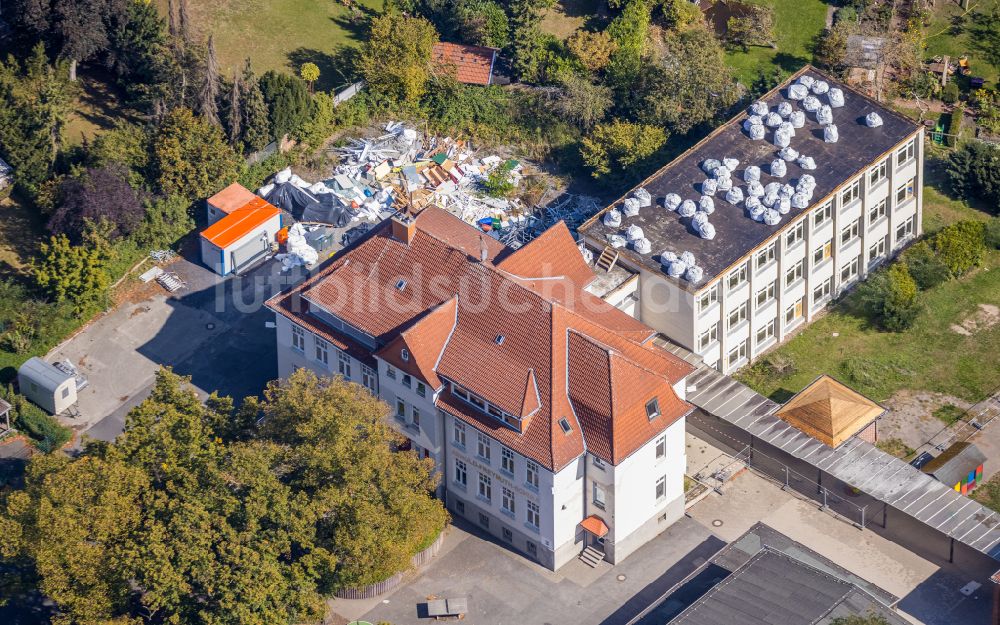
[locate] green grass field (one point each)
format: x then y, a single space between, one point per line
283 34
796 24
928 356
952 31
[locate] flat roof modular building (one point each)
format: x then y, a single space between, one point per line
47 385
241 238
739 242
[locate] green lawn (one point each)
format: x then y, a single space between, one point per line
952 32
283 34
929 356
796 25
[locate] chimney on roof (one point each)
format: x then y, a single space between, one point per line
403 227
484 252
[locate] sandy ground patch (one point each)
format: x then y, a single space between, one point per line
985 317
910 416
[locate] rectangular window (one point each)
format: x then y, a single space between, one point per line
507 460
767 332
508 535
533 519
906 152
904 229
738 316
796 233
878 173
822 214
508 500
460 506
652 408
598 463
766 294
407 381
460 392
877 251
822 291
765 256
390 372
461 472
793 312
737 353
401 409
708 298
344 364
795 272
368 378
531 474
661 447
458 434
298 338
484 520
822 253
322 351
850 270
904 192
483 446
708 337
415 416
851 193
661 487
599 495
421 389
850 232
737 277
878 211
485 487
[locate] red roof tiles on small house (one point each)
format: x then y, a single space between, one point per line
553 253
472 65
540 360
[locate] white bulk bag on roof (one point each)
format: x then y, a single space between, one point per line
769 199
798 92
772 217
753 120
758 108
786 190
616 240
752 202
806 181
283 176
797 119
709 186
778 168
667 257
721 172
783 205
788 153
773 120
630 208
612 218
820 87
757 132
634 233
824 115
731 164
806 80
807 163
709 165
734 196
756 212
588 256
811 103
830 133
800 200
642 246
782 138
725 184
873 120
694 273
687 258
755 189
836 97
773 187
700 218
687 208
785 109
645 199
671 201
751 173
676 268
787 127
706 205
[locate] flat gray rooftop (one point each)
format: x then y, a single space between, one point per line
736 232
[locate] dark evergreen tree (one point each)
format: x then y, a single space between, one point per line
255 129
208 95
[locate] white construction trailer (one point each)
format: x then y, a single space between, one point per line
46 385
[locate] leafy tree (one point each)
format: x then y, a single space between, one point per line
288 102
961 246
255 125
926 267
890 296
165 221
582 102
335 437
527 47
191 158
992 233
484 23
592 49
396 59
629 31
950 93
97 196
753 26
74 273
79 29
987 101
498 183
619 145
321 125
126 146
689 82
974 171
680 13
309 72
138 52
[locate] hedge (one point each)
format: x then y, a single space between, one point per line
955 125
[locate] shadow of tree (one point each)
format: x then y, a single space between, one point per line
337 69
789 62
984 37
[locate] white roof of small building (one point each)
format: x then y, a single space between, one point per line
43 374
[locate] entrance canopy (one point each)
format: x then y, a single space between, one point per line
595 526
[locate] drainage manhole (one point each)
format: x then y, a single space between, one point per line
717 523
209 326
621 578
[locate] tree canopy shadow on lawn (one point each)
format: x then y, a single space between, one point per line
337 69
356 22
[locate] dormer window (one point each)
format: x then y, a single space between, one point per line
653 408
564 424
401 285
404 354
499 339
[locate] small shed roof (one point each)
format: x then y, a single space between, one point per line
829 411
472 65
233 197
43 374
954 463
240 223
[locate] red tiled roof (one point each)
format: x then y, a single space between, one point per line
232 197
469 64
595 525
551 254
383 286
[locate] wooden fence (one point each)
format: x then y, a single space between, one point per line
380 588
